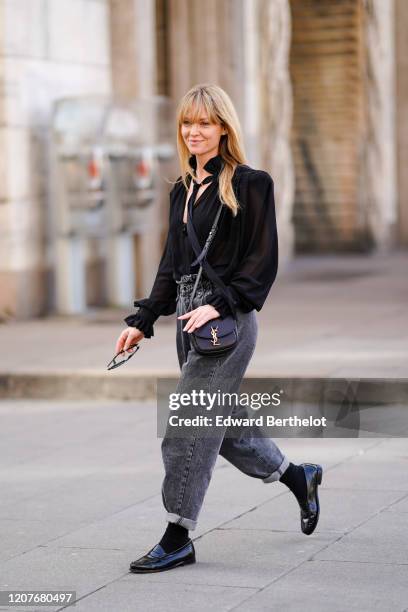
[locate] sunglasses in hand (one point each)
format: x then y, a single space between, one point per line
122 358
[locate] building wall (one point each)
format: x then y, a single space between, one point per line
327 67
401 122
48 50
344 143
135 73
55 48
274 112
378 176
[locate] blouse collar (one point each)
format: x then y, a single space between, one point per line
213 166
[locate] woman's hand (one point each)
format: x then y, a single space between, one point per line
129 336
199 316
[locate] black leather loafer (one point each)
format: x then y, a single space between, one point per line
157 560
310 509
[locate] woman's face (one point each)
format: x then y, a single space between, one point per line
201 136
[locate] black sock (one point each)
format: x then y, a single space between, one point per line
294 478
174 537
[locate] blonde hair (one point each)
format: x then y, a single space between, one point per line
220 109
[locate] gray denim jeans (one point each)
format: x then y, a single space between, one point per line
189 460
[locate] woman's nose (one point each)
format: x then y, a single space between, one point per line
195 128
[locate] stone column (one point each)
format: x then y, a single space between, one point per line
401 55
181 61
379 178
133 48
206 46
273 111
134 75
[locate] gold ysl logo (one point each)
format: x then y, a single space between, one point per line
214 336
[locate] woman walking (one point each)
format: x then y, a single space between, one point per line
237 274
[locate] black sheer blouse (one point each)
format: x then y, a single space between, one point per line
244 251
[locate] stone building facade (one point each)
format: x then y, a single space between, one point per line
321 88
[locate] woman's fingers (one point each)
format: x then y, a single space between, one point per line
191 321
121 341
198 317
127 338
187 314
197 322
134 336
188 325
196 325
127 346
194 317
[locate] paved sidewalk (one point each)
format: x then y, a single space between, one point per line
80 499
334 316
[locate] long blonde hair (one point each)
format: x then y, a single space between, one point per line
220 109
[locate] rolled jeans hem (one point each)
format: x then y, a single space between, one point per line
189 524
277 473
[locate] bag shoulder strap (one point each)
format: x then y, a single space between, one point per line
239 180
200 256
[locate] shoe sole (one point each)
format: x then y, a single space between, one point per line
164 569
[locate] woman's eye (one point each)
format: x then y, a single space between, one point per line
202 123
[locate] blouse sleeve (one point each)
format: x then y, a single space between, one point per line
253 278
162 299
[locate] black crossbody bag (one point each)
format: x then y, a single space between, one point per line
218 335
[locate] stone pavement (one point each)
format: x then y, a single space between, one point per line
80 498
326 316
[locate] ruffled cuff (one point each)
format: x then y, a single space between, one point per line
143 319
216 300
